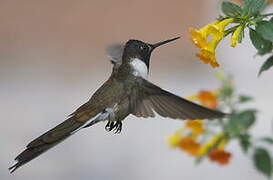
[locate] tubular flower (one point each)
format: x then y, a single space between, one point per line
208 46
208 99
196 126
220 156
212 142
235 36
199 37
189 145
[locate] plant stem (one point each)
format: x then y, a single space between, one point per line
265 15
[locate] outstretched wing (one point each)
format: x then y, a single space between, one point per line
148 98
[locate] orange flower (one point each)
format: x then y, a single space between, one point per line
220 156
208 99
196 126
189 145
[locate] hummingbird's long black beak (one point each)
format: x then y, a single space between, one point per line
163 42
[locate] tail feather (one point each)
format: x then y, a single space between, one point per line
29 154
47 141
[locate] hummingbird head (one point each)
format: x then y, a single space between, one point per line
135 49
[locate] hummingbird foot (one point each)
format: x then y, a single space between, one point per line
118 127
112 125
109 126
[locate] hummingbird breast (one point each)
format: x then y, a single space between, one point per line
139 68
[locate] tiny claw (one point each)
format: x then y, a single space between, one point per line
116 126
109 126
106 126
119 127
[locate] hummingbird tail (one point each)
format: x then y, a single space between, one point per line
29 154
48 140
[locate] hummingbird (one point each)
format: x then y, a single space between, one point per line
127 91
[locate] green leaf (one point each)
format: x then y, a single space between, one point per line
244 99
247 118
267 65
253 7
245 142
265 30
263 46
242 121
268 140
231 9
263 161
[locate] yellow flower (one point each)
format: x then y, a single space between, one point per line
201 38
222 144
235 36
206 147
192 98
223 24
196 126
175 138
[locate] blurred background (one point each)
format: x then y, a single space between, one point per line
52 59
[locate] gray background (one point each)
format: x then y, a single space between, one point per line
52 59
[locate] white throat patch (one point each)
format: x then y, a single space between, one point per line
140 68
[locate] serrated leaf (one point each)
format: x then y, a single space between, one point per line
245 142
253 7
231 9
267 65
244 99
265 30
268 140
263 46
263 161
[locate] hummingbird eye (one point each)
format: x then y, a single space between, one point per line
143 48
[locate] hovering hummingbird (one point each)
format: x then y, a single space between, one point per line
127 91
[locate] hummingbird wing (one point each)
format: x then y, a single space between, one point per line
148 98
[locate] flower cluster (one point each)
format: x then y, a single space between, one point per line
209 139
191 138
235 20
208 37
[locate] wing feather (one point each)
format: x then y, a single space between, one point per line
148 98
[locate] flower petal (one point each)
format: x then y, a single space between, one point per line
220 156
